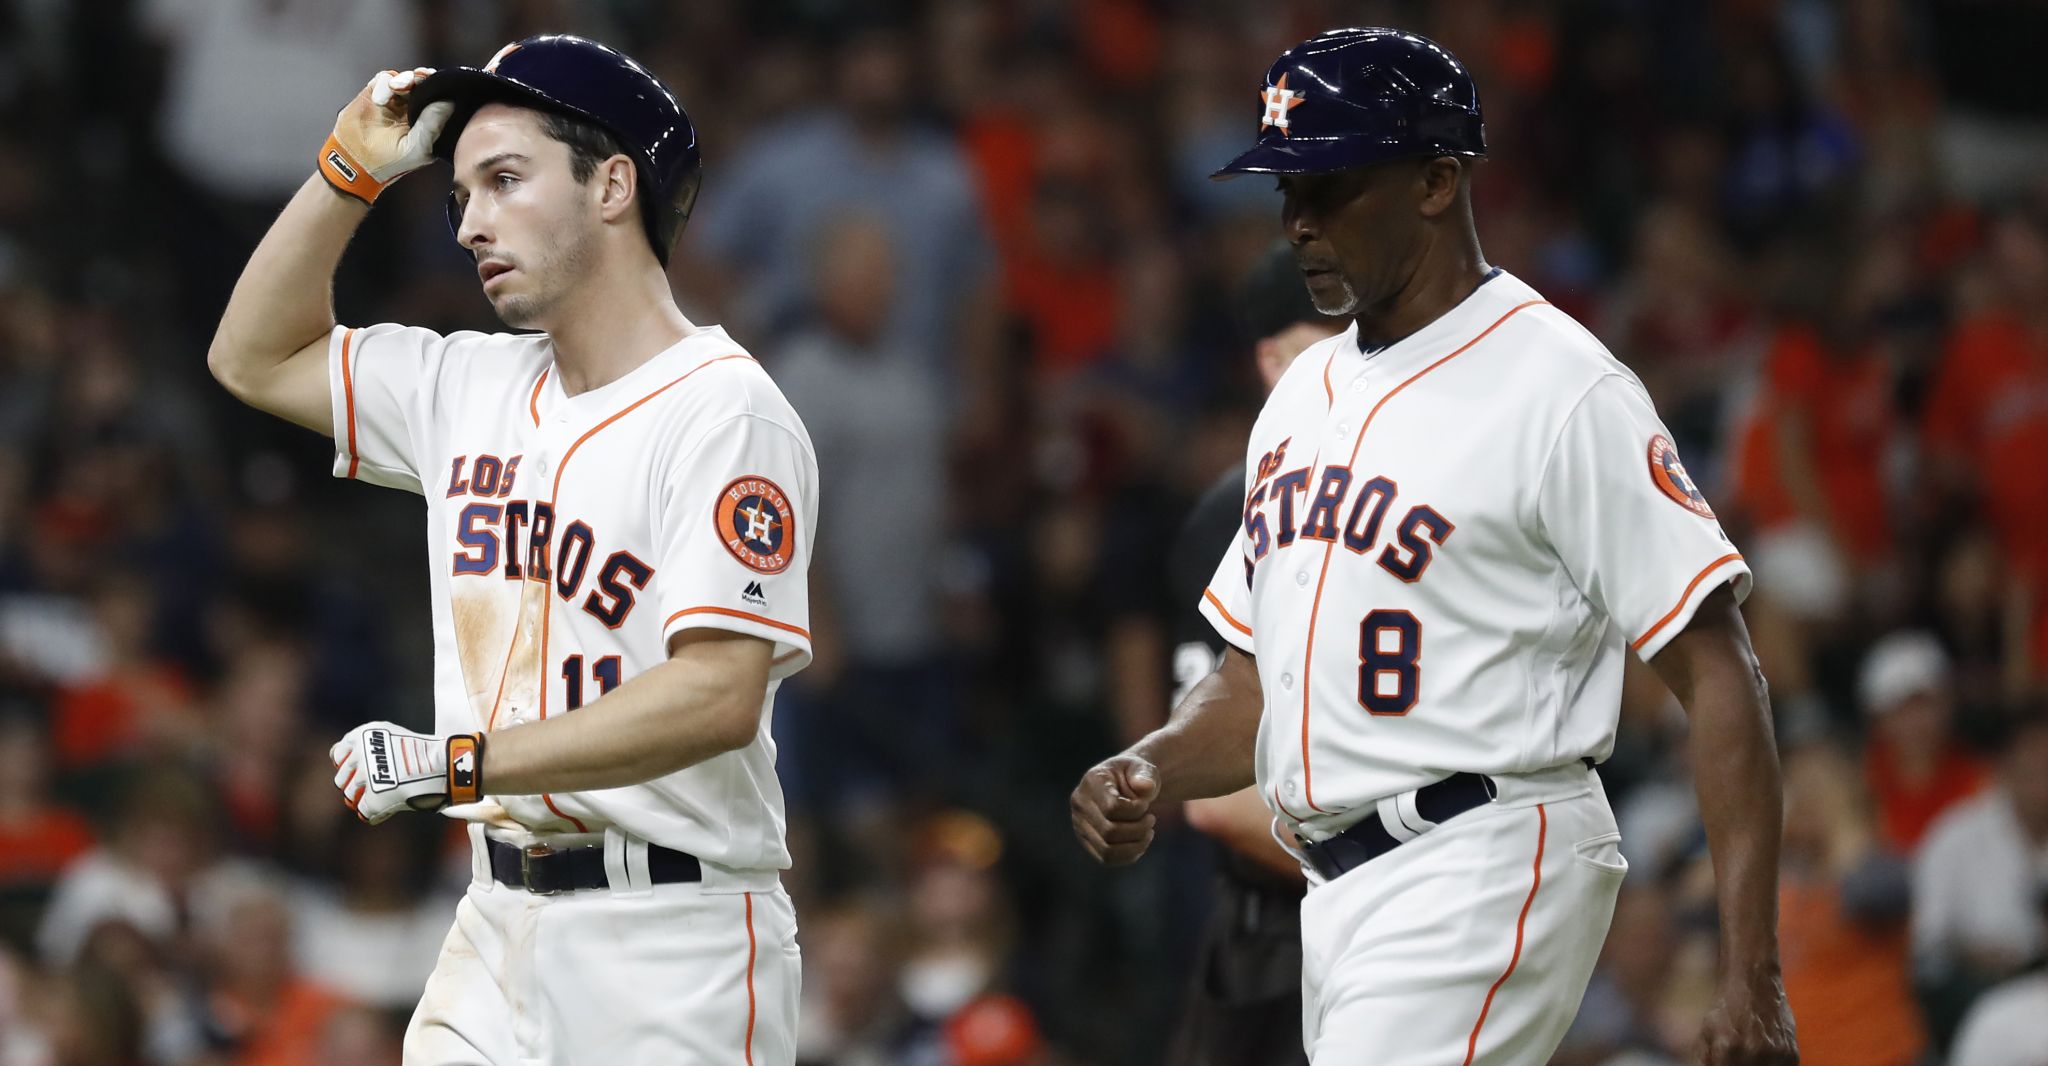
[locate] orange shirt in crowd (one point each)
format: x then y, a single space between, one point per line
102 719
1846 403
291 1034
1989 410
35 849
1904 811
1846 982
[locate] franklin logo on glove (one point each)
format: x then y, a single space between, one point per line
381 774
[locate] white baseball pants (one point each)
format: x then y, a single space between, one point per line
1471 944
678 973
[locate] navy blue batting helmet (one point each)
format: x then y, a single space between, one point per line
583 79
1352 98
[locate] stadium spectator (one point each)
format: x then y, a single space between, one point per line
1912 762
872 721
1842 907
1977 884
869 152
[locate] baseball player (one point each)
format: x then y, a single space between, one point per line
620 515
1459 516
1246 990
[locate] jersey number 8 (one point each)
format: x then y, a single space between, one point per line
1389 673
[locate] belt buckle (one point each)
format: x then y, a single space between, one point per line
526 856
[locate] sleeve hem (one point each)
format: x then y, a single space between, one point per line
792 642
1233 632
1674 621
341 387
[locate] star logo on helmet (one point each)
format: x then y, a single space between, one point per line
492 66
1279 100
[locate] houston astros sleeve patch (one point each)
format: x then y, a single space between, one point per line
1671 479
756 524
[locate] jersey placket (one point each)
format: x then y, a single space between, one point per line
1348 380
547 436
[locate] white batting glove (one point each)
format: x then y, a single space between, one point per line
373 144
382 769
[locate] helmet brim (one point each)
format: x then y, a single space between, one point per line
1326 155
1284 156
469 89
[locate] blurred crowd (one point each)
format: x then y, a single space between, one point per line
975 242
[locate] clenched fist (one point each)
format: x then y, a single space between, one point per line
373 143
1112 809
1749 1025
382 769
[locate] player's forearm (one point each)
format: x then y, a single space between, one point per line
673 716
284 298
1206 748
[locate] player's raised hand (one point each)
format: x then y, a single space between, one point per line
1112 809
382 769
374 143
1750 1025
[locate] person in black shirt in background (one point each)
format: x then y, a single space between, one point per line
1244 1004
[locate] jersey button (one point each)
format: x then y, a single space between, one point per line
1293 790
1286 680
1358 383
1299 579
1344 429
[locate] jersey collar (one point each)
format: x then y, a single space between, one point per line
1496 292
693 351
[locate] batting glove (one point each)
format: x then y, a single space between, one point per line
382 769
373 144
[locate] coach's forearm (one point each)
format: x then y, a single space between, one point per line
1714 673
284 298
1206 748
702 703
1735 769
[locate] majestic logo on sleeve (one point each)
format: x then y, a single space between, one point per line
757 525
1279 100
1672 480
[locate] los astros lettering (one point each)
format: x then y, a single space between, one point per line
490 533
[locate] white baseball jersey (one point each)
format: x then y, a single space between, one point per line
1448 546
570 536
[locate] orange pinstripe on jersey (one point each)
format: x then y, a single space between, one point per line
562 814
1308 655
554 494
1684 598
533 406
798 630
1329 394
348 388
555 491
1220 609
1535 882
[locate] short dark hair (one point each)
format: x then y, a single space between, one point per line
590 144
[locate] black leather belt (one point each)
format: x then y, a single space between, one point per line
545 870
1368 840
